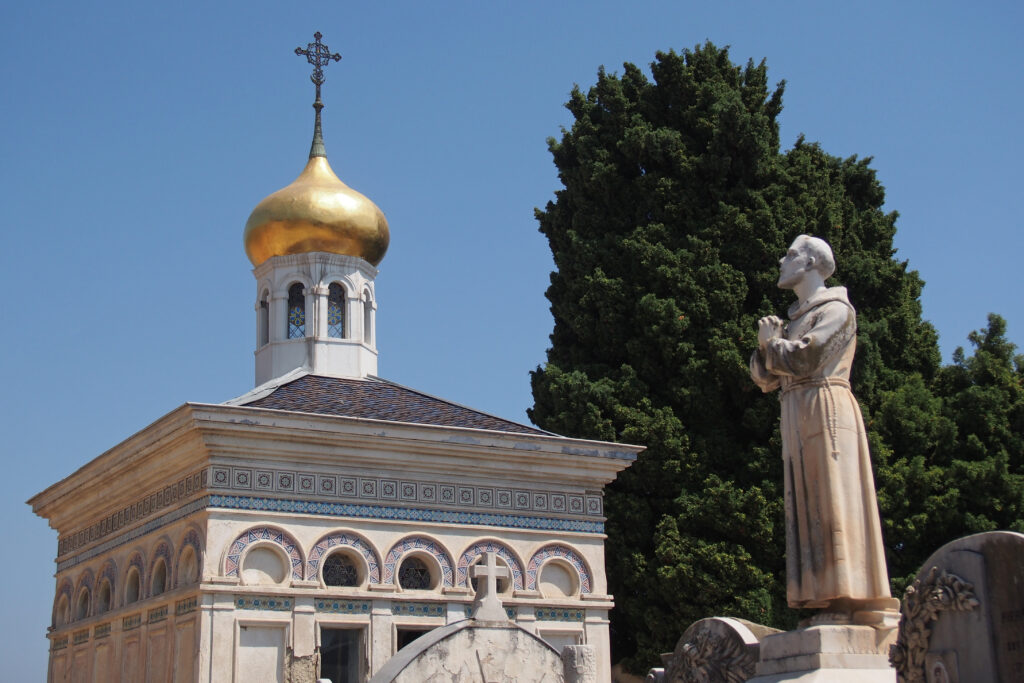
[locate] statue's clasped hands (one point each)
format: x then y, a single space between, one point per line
768 328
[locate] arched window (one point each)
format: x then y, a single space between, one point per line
367 318
340 570
61 616
132 586
415 575
103 597
264 319
159 582
296 312
188 567
336 311
82 609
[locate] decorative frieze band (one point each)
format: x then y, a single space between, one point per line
320 488
325 485
147 506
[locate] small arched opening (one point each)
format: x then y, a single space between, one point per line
296 311
263 319
336 311
417 573
132 586
367 319
159 581
82 606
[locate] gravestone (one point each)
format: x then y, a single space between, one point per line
713 650
963 618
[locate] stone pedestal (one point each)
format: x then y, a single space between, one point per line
833 654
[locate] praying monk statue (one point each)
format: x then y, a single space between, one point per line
834 556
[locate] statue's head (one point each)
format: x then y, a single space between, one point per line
806 254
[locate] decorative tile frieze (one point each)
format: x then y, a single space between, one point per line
127 537
157 614
343 606
406 514
264 602
418 609
185 606
101 631
264 480
558 614
79 637
510 612
147 506
60 643
131 622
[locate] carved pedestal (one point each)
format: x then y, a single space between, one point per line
834 653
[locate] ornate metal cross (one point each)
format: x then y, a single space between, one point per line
317 54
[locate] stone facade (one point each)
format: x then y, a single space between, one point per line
195 549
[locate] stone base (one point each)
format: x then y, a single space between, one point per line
833 653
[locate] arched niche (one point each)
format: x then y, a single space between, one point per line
568 558
424 546
290 547
350 542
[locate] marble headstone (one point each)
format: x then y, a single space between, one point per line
963 618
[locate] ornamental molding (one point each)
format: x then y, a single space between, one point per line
923 603
331 486
146 507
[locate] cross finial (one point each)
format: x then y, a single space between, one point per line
487 606
317 54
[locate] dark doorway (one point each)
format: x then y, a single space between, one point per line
341 654
407 635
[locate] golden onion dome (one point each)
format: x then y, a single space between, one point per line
317 212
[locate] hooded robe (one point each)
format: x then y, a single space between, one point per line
833 534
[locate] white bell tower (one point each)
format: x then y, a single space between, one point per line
315 246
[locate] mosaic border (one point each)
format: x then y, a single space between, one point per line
558 614
418 609
405 514
343 606
132 534
185 606
265 602
241 480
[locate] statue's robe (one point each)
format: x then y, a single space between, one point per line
833 534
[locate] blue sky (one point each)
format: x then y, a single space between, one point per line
137 137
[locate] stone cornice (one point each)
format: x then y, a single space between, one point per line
323 439
198 435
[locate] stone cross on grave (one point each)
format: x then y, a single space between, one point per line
487 606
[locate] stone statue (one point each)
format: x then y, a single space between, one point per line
834 555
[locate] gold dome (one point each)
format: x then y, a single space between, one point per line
317 212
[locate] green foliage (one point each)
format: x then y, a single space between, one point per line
675 207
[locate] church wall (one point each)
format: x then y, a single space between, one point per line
151 638
381 608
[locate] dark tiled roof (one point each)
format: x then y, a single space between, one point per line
379 400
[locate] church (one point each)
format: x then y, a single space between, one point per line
315 525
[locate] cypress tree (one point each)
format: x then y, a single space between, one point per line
675 208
